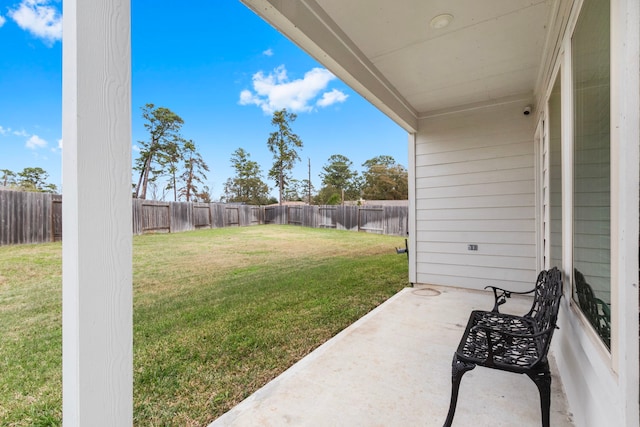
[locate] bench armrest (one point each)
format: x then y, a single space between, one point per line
500 296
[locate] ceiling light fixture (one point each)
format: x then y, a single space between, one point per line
441 21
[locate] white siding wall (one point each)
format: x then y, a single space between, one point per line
475 184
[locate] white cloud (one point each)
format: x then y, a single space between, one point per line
135 148
58 147
39 18
35 142
21 133
3 131
330 98
274 91
2 20
268 52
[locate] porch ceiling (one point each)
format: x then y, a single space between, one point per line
387 50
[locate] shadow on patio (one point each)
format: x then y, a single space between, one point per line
393 368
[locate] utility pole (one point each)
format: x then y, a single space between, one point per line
309 199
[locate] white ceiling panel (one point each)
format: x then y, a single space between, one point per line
491 49
388 51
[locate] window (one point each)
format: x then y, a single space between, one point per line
590 51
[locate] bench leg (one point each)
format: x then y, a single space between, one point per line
458 369
542 379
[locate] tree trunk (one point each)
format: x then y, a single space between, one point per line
145 179
188 184
281 185
140 179
175 190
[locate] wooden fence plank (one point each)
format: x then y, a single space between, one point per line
231 216
326 217
371 220
25 217
201 216
56 218
217 213
156 217
256 215
181 217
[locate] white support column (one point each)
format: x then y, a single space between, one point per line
412 246
97 313
625 176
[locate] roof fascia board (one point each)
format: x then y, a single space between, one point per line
306 24
559 20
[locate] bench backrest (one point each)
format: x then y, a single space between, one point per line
546 304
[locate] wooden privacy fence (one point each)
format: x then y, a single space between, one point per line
30 217
37 217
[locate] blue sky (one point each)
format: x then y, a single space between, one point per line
214 63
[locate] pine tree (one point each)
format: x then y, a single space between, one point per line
283 143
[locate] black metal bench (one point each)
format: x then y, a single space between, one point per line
510 343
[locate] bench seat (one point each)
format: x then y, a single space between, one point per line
515 346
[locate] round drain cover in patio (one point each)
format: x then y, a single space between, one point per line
426 292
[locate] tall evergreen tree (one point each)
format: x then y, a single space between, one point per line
307 191
35 179
8 178
283 143
194 172
164 127
247 185
295 190
169 159
338 178
204 195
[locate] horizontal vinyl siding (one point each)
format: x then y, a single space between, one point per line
493 202
506 212
475 154
475 190
496 249
475 184
476 237
486 225
467 178
483 165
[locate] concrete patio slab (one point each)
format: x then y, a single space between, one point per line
393 368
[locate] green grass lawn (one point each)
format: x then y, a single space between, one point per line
217 314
